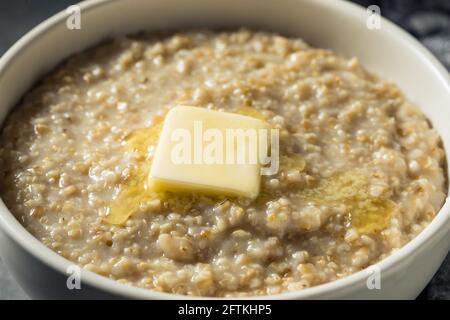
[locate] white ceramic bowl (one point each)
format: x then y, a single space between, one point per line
340 26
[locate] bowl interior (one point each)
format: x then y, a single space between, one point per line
336 25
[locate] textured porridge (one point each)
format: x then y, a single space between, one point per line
361 170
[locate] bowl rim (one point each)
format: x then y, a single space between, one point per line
12 227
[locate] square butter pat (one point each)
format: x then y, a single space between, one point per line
210 152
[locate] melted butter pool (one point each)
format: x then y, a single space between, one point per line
133 192
366 213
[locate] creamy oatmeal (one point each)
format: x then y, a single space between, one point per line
361 169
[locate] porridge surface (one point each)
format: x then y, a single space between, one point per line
361 170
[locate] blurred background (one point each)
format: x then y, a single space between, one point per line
427 20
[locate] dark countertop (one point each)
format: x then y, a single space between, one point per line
428 20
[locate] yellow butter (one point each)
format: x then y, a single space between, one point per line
210 152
